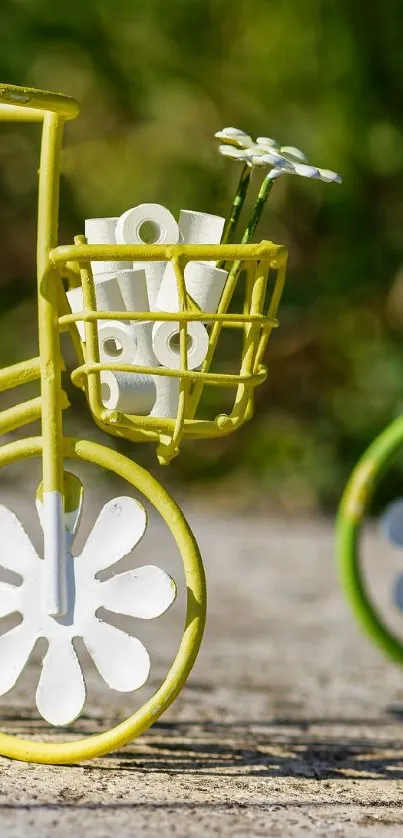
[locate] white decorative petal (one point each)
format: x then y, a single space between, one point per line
268 160
276 172
120 526
15 648
276 159
246 141
260 160
234 137
265 151
234 153
257 151
121 660
295 153
10 599
268 141
261 156
329 177
306 171
16 551
61 693
229 132
146 592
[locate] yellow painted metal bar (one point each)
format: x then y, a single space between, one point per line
151 429
252 333
18 374
215 379
157 252
49 342
168 448
236 321
271 314
15 113
25 412
29 99
68 326
91 335
226 298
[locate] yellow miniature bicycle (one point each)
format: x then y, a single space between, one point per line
60 593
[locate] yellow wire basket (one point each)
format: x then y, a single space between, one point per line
249 303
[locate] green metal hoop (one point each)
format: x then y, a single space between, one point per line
353 509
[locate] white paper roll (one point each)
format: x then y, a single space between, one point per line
145 355
102 231
107 294
154 274
117 342
133 289
75 298
204 283
200 227
166 404
147 224
129 392
134 292
167 348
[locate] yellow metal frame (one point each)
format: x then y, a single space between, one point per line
252 265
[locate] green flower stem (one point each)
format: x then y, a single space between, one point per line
262 197
230 285
237 205
253 222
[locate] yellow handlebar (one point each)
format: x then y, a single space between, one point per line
25 104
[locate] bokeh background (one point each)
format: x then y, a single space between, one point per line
155 81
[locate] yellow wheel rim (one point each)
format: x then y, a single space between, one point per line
98 744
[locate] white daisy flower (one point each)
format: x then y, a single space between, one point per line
267 152
122 660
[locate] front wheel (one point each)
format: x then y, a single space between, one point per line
354 510
118 589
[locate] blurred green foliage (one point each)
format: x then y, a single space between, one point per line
156 80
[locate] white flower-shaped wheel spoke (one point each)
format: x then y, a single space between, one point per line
9 599
119 527
122 660
61 700
17 552
15 648
145 593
